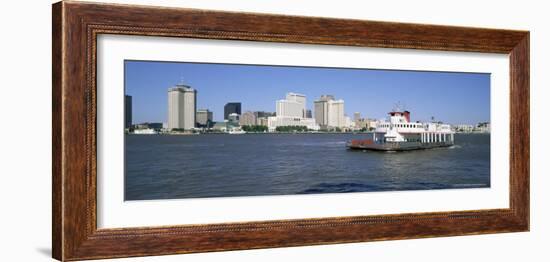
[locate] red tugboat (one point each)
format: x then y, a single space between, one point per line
398 133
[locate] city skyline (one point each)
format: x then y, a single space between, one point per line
457 98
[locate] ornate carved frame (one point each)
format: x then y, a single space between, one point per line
76 26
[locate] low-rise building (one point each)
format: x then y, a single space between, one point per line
463 128
220 126
276 121
484 127
147 125
204 118
247 119
233 118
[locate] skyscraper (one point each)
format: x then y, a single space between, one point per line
293 106
182 107
127 111
336 116
321 110
329 113
231 108
291 111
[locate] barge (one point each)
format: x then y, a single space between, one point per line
398 133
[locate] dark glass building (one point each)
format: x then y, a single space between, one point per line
127 111
230 108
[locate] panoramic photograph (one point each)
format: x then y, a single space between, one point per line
202 130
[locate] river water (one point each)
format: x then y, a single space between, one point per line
220 165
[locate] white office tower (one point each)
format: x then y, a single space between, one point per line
182 107
294 106
291 112
336 113
329 113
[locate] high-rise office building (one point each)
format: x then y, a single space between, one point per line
336 113
231 108
321 110
204 118
127 111
182 107
291 111
293 106
329 113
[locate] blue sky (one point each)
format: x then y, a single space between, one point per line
456 98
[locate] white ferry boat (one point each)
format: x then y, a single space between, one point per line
398 133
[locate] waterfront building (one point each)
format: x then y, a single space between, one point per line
204 118
329 112
373 123
233 118
308 113
231 108
348 123
463 128
261 117
262 121
220 126
275 121
361 123
294 106
336 114
182 107
356 116
291 111
147 125
484 127
148 131
127 111
259 114
248 118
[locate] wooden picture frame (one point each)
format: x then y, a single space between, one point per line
76 26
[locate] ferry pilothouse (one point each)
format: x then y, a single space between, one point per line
398 133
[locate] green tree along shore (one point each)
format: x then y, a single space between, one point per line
254 128
291 129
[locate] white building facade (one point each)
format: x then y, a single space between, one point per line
182 107
336 114
329 112
291 112
294 105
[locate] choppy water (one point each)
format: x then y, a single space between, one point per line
171 167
